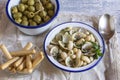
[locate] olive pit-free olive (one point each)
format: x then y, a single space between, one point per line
26 6
18 20
14 9
24 1
17 15
26 13
31 15
25 23
21 7
24 18
37 19
36 0
46 18
33 23
31 8
50 13
38 6
31 2
45 1
43 14
49 6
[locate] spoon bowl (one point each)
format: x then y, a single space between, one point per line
106 26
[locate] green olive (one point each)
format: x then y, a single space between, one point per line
24 18
33 23
18 20
25 23
26 6
17 15
43 13
46 18
21 7
30 20
36 0
50 13
45 1
38 6
14 9
31 15
24 1
31 8
26 13
31 2
49 6
37 19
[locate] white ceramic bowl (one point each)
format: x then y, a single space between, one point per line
35 30
57 29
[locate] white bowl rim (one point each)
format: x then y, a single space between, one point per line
102 40
38 26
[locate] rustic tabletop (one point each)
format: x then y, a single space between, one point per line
94 7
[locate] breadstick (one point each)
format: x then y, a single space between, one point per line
26 71
28 46
13 70
28 62
9 68
8 63
18 62
21 66
23 53
5 51
38 58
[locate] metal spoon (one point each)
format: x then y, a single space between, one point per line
107 29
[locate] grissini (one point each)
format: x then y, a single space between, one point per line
9 68
28 62
23 52
5 51
38 58
13 70
18 62
28 46
21 66
26 71
8 63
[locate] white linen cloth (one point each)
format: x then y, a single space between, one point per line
9 35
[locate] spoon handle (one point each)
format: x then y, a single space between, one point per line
109 54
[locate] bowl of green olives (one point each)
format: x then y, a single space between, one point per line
32 17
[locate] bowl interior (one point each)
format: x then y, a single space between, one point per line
57 29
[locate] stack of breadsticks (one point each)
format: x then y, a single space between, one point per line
22 61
